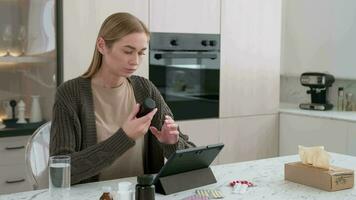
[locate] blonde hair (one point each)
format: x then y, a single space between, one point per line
115 27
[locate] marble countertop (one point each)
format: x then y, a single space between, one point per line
330 114
267 174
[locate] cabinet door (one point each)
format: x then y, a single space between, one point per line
311 131
81 23
12 150
13 179
250 57
12 166
201 132
351 139
249 138
185 16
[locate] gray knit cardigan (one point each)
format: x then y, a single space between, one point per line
73 131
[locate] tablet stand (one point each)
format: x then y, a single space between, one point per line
185 181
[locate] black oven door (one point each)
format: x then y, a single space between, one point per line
188 81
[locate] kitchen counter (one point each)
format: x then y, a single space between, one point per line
349 116
266 174
13 132
21 130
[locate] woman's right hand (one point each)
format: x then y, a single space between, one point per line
136 127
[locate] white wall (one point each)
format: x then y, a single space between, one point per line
319 35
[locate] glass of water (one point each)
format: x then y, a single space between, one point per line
59 173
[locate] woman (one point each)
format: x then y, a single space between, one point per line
94 116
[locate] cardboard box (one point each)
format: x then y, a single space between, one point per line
329 180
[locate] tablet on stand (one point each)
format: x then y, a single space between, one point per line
187 169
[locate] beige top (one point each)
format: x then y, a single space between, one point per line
112 107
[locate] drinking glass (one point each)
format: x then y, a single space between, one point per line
3 48
59 174
19 42
6 40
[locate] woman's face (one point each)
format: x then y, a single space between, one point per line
125 55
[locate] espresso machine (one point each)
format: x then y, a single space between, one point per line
319 84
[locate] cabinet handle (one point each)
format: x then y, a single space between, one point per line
15 181
159 56
13 148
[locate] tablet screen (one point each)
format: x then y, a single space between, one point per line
190 159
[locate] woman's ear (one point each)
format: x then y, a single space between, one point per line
100 45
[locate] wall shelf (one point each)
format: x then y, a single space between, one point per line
25 59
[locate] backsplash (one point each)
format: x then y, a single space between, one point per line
291 91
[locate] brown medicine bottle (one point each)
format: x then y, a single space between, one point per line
106 193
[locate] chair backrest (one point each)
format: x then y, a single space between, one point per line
37 156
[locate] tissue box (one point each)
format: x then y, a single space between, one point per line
329 180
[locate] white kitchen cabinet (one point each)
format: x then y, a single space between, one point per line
201 132
312 131
12 166
249 138
250 57
81 23
14 179
185 16
323 42
351 139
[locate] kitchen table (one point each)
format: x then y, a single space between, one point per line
266 174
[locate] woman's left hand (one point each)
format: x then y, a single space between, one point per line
169 133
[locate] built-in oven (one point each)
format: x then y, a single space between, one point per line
185 68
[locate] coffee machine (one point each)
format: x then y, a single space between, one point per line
318 84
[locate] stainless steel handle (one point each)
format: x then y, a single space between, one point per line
159 56
15 180
13 148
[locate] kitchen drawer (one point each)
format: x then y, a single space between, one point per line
12 150
13 179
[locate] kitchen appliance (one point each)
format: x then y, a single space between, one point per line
318 84
185 68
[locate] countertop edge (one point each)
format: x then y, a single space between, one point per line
347 116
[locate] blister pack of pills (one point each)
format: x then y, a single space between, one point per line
210 193
196 197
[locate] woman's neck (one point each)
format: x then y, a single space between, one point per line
107 80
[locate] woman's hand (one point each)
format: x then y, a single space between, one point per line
137 127
169 133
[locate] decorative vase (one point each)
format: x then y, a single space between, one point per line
36 115
21 107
